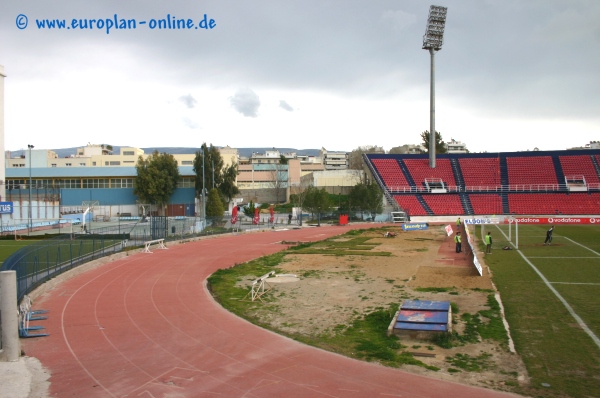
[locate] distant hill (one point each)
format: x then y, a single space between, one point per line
246 152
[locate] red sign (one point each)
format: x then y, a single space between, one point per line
449 230
234 215
552 220
343 219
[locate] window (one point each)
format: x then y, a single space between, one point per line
93 163
53 165
128 153
68 183
67 164
14 184
128 161
43 183
121 183
185 182
187 162
82 164
95 183
115 163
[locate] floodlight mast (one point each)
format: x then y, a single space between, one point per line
432 41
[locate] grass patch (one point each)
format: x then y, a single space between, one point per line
435 289
471 364
357 246
367 339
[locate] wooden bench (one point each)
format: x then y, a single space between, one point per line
147 244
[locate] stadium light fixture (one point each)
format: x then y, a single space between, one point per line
432 41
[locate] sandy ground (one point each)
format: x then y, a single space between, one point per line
333 290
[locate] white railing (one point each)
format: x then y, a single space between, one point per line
494 188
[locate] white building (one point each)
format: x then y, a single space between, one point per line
334 160
454 146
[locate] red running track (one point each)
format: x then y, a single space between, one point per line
146 326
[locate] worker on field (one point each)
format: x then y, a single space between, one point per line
488 243
458 241
458 222
549 236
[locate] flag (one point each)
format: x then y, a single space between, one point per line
256 216
272 218
234 216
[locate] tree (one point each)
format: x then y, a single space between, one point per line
316 200
215 174
209 159
250 209
367 197
157 178
279 180
214 204
227 188
440 147
355 160
405 149
283 159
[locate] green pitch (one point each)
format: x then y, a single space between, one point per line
551 296
8 247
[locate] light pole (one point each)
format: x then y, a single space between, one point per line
203 197
432 41
29 147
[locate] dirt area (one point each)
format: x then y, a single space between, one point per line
334 290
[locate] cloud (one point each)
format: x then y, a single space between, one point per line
246 102
190 123
188 101
398 20
286 106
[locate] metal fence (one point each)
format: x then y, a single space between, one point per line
46 258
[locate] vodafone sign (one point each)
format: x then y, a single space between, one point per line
552 220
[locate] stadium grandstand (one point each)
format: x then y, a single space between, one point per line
519 183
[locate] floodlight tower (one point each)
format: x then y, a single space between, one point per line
432 41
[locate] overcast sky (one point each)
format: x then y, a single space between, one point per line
512 74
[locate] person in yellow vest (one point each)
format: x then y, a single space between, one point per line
457 240
488 243
458 222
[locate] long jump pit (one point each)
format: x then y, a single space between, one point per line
333 290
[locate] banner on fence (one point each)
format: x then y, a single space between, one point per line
6 207
552 220
486 220
415 226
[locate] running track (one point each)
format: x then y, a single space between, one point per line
146 326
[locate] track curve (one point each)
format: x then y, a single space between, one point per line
146 326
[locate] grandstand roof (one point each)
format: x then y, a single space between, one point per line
82 172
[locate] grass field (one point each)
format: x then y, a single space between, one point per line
551 296
8 247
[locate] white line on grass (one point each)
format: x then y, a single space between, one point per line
563 257
567 306
585 247
574 283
